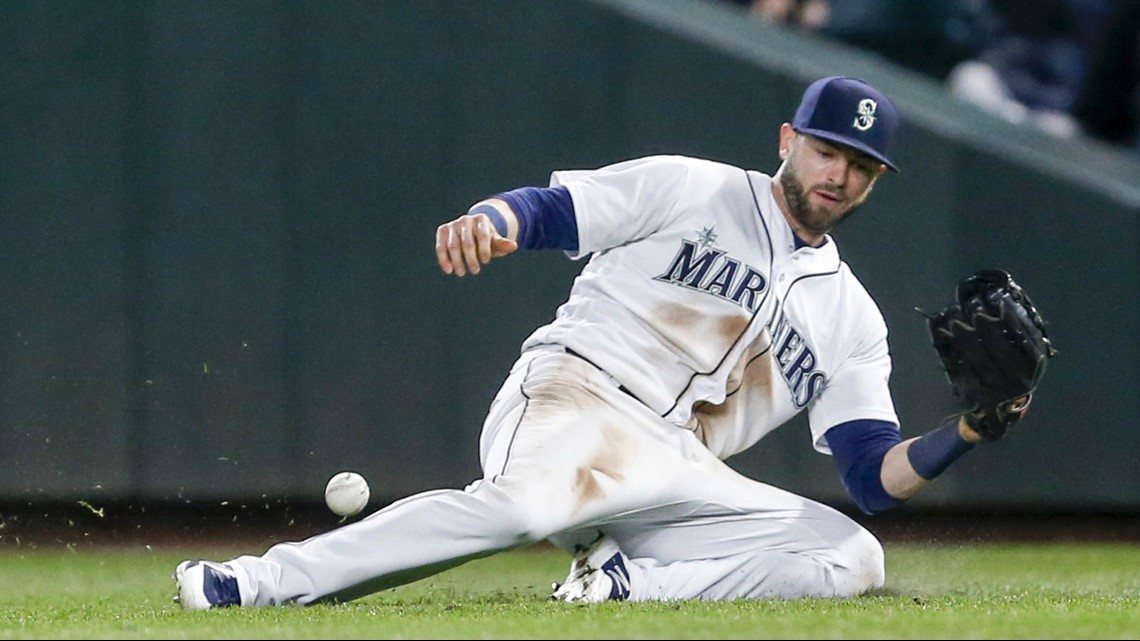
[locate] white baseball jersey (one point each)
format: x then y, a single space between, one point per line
696 299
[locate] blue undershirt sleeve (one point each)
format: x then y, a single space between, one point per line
546 217
858 448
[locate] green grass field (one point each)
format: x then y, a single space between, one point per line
975 591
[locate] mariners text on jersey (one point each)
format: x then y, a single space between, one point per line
796 361
713 271
730 279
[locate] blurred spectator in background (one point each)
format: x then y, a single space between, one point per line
929 36
807 14
1032 59
1108 105
1068 67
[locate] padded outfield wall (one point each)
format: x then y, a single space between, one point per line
217 272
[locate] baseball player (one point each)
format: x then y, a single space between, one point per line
713 306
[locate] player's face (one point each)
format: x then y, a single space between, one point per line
823 183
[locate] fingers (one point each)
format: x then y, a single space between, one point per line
454 248
442 253
483 232
463 245
502 246
1019 404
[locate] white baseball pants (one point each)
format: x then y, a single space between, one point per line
566 454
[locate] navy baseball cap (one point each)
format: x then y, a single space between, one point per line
849 112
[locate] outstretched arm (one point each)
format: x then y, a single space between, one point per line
488 230
523 218
880 471
994 348
911 464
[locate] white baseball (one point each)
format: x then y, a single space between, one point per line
347 493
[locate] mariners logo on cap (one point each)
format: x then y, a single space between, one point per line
848 111
866 117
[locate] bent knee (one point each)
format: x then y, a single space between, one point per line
862 567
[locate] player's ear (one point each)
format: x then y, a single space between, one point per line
787 137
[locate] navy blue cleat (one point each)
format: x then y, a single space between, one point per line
615 569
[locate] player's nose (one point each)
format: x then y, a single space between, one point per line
836 172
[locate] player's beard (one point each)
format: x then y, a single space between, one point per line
814 220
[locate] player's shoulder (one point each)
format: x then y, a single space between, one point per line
679 171
851 281
704 165
680 162
710 175
856 295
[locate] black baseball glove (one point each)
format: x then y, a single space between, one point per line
994 349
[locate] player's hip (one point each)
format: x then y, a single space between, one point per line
558 409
